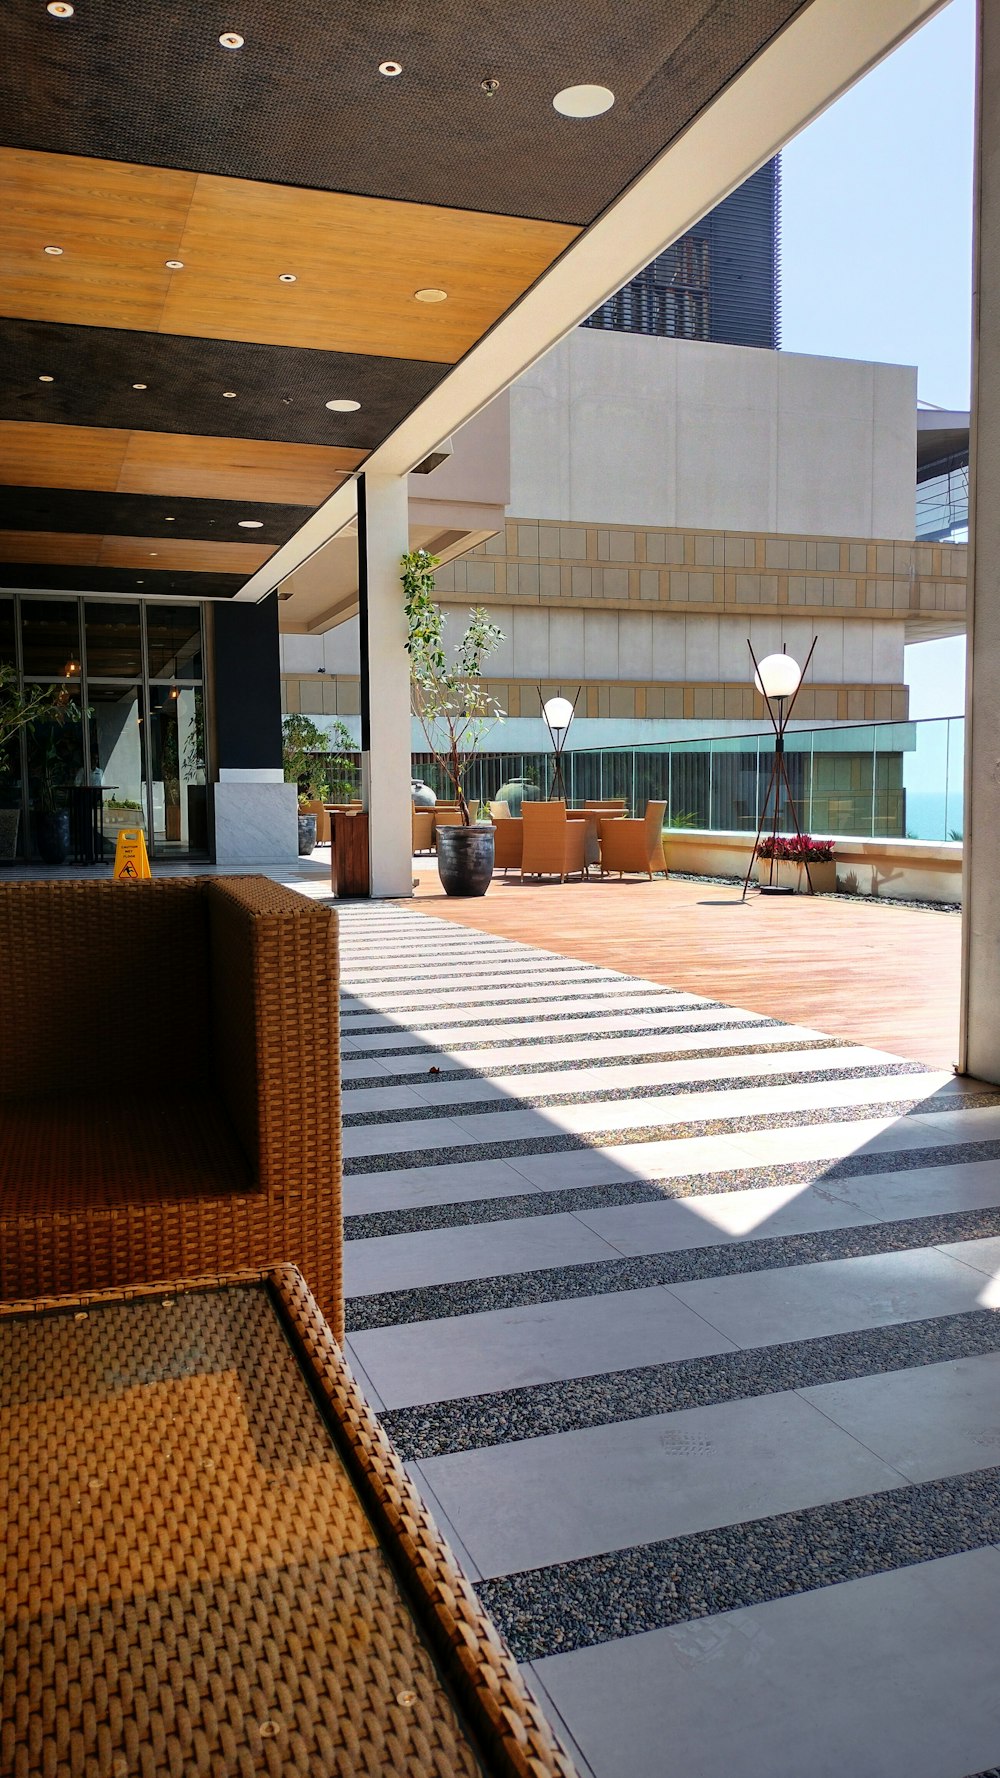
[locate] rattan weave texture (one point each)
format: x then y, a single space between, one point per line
195 1573
200 1139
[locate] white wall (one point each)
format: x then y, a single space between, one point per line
336 651
621 429
541 642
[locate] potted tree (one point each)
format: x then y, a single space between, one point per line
315 760
21 710
456 708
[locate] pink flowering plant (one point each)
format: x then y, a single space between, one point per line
796 849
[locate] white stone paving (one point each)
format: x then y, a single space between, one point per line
889 1676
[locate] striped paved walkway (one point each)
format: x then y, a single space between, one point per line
685 1321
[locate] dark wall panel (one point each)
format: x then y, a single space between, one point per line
247 678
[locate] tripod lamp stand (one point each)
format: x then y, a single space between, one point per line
778 679
558 714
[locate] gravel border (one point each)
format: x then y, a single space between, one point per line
437 1429
892 901
569 1605
518 1290
753 1023
693 1001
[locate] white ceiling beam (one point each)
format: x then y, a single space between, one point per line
823 51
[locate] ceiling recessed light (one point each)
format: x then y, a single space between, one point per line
390 69
250 524
287 278
140 385
60 9
140 583
584 101
154 552
229 394
174 265
431 295
46 379
343 407
55 251
231 40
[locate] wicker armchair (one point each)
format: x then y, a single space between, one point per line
553 846
634 845
169 1084
508 842
423 830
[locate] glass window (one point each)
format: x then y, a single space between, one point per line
8 652
55 756
173 635
50 638
114 649
177 761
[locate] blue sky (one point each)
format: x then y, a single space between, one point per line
877 246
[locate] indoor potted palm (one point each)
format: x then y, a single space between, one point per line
456 708
22 709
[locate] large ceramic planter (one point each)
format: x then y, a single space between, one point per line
465 859
307 834
9 819
52 835
790 875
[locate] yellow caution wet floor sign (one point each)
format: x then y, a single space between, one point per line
131 860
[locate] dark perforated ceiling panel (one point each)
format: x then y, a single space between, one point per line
280 391
145 515
120 580
303 103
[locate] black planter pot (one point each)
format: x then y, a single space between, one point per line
52 835
465 859
307 834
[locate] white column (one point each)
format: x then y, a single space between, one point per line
385 683
979 1050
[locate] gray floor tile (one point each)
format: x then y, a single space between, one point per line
938 1420
647 1479
399 1188
481 1250
475 1354
890 1677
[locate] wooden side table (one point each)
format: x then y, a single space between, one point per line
350 873
214 1563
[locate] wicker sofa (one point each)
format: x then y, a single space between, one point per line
169 1085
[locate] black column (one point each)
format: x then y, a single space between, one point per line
247 678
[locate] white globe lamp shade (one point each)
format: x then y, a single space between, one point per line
558 713
778 676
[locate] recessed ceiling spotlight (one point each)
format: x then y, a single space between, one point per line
154 552
174 265
140 583
169 520
431 295
490 87
55 251
229 394
250 524
140 385
231 40
584 101
287 278
343 407
60 9
46 379
390 69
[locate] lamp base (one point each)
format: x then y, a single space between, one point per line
775 889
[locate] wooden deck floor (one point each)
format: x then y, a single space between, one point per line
885 975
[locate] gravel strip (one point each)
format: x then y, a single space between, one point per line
631 1137
650 1090
518 1290
891 901
530 971
540 991
500 1043
600 1598
435 1429
457 1071
542 1018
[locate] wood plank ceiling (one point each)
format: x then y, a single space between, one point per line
204 246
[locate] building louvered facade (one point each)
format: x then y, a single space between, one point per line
719 282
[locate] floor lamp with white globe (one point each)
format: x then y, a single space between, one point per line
558 714
778 679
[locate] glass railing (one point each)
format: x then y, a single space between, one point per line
886 780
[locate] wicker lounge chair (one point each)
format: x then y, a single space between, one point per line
423 830
634 846
169 1084
553 846
508 841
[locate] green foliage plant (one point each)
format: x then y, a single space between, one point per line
49 706
454 704
314 759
